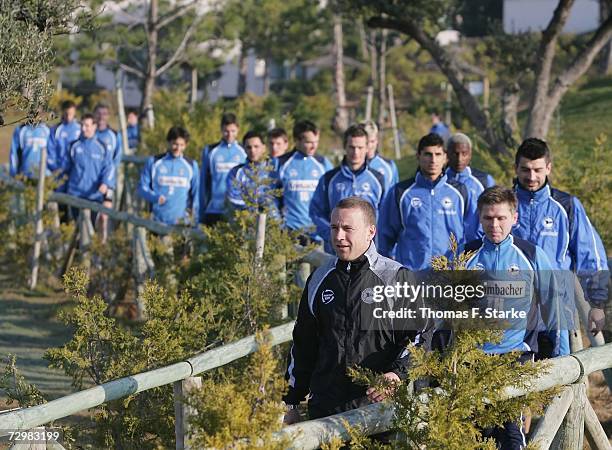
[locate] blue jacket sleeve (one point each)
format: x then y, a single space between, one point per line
395 174
471 221
14 153
118 150
233 191
319 210
556 313
589 257
53 156
490 182
109 171
389 224
194 193
144 186
203 175
303 354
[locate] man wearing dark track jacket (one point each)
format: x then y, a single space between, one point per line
336 328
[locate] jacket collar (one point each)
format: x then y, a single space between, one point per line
420 180
348 172
465 174
540 195
506 243
368 259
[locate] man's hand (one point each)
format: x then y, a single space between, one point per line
376 396
597 320
291 416
161 200
103 188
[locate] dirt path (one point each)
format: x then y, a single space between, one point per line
28 327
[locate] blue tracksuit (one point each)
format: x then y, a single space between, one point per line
177 179
62 135
387 168
88 166
419 215
250 186
299 175
557 222
525 267
340 183
475 181
217 161
133 135
113 143
24 155
441 129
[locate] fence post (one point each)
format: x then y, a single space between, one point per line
594 432
396 143
260 241
182 412
85 234
369 100
40 199
571 433
121 173
141 268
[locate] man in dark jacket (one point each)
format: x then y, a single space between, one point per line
341 321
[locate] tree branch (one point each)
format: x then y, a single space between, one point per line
180 50
173 15
449 66
583 60
131 70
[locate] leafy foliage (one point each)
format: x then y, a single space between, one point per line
26 51
15 387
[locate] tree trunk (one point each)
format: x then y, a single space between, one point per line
341 120
605 61
193 98
382 83
242 68
509 125
150 73
266 79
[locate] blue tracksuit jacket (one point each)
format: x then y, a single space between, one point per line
525 267
387 168
475 181
217 161
24 155
557 222
133 135
419 214
299 175
177 179
89 164
62 135
250 186
340 183
113 143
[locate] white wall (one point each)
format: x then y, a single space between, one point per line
525 15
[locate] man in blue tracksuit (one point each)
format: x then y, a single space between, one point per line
105 134
519 278
376 161
62 135
26 145
170 182
419 214
557 222
352 179
133 129
459 152
254 185
89 167
217 161
299 172
439 127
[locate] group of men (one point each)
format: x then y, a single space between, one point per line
381 229
530 235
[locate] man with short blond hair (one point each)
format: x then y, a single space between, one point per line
334 329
